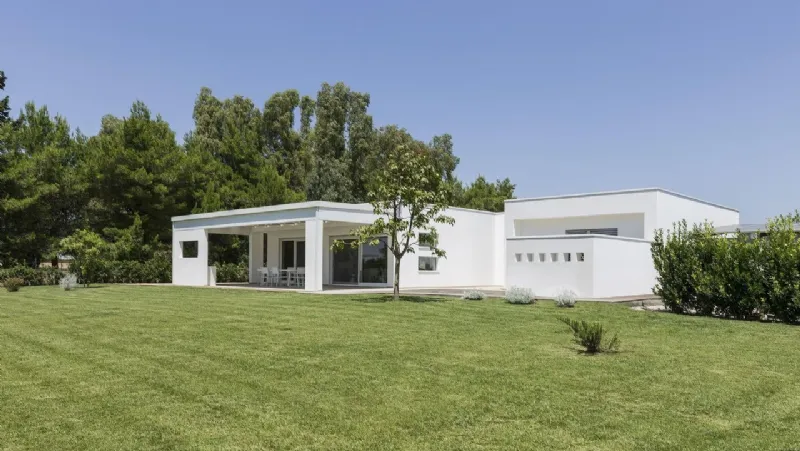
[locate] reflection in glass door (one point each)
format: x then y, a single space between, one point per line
374 263
345 264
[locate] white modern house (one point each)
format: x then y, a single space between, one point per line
596 244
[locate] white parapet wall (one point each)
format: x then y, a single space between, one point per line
593 266
190 269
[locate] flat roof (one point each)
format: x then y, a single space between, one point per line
623 191
279 207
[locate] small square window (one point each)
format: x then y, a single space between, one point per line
554 257
427 263
542 257
567 257
425 241
518 257
530 257
188 249
580 256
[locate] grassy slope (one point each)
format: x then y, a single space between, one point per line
175 368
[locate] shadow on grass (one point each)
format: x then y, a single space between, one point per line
390 298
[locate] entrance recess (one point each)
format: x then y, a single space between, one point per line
366 265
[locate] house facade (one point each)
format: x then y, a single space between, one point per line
596 244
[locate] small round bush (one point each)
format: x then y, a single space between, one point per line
473 295
519 295
68 282
566 298
13 283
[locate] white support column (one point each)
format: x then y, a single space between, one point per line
190 269
314 243
256 255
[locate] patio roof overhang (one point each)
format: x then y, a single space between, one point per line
247 220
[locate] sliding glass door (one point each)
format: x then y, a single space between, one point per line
293 254
367 264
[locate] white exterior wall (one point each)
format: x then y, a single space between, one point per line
622 268
546 278
633 213
673 208
629 225
190 271
471 247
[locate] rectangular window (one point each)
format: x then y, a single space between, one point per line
427 263
554 257
426 241
518 257
608 231
542 257
188 249
567 257
581 256
530 257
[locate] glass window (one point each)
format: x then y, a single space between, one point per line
189 249
425 241
287 254
375 262
427 263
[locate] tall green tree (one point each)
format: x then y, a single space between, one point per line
5 109
483 195
134 166
41 195
408 194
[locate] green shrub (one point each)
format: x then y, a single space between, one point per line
13 283
590 336
519 295
232 272
68 282
33 276
781 264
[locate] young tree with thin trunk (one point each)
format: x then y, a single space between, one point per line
408 194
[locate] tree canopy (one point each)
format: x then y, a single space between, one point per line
134 174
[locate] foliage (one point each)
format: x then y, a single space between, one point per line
232 272
13 283
590 336
68 282
409 196
520 295
4 108
89 252
32 276
739 276
566 298
473 295
483 195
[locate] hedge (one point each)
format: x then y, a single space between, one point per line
33 276
740 276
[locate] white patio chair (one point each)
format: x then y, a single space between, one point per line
264 278
286 276
300 277
274 276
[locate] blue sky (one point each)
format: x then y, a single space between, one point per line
701 97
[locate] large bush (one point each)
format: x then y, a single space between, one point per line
739 276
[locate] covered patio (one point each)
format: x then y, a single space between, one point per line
293 241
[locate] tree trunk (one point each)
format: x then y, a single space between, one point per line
396 278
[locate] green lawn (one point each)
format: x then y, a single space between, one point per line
179 368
